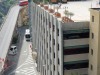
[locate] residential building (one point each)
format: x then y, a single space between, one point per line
94 40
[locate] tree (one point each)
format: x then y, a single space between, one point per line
45 1
70 14
66 12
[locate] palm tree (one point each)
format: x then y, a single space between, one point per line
72 73
46 1
66 12
70 14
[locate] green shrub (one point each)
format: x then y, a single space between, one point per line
15 39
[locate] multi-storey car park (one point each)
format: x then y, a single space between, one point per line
62 47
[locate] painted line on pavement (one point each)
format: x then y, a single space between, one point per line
20 65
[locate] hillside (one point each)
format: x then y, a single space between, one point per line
4 7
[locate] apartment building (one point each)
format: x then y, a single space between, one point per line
62 47
94 40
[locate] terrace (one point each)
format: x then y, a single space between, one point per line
75 9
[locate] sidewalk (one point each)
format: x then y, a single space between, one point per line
34 56
28 67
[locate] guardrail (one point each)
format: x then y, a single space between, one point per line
6 16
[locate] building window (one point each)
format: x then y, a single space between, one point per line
92 35
48 67
45 71
50 37
91 67
49 24
41 16
47 45
47 56
37 15
45 61
42 38
50 61
58 32
58 73
44 30
44 41
47 33
46 21
58 61
54 67
58 47
42 47
50 49
91 51
51 73
53 28
43 19
53 41
92 18
54 55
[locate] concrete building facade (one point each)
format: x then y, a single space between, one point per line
62 48
46 41
94 40
76 48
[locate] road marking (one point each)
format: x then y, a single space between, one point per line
24 54
29 70
25 51
17 71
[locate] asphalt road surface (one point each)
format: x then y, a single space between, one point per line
23 63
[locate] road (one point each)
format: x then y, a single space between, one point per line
23 63
7 30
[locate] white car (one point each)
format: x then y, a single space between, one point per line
13 50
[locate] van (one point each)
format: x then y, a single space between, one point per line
27 34
12 50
